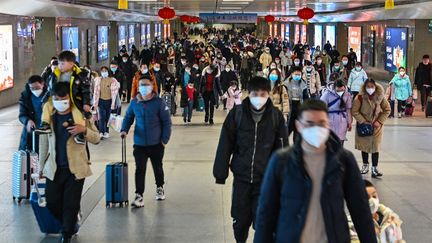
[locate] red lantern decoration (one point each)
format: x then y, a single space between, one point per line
269 18
185 18
166 13
194 19
306 14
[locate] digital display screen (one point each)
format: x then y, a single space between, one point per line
6 57
102 43
396 48
70 40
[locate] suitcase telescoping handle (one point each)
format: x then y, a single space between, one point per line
124 150
33 141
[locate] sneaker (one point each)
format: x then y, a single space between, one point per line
364 169
375 172
101 135
79 139
45 128
138 202
106 135
400 115
160 194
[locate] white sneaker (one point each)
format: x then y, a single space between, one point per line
106 135
138 202
101 135
160 194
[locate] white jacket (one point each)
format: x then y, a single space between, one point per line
356 80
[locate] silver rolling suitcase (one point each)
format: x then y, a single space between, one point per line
25 162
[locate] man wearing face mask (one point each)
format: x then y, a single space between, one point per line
296 65
423 79
311 76
128 68
64 162
265 59
303 195
31 102
121 78
158 75
263 131
49 69
227 76
151 135
210 91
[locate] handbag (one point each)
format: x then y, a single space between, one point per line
365 130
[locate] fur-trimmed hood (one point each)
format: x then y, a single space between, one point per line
378 96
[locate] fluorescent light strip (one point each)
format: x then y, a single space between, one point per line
236 3
149 1
237 0
230 8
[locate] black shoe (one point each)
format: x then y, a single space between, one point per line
65 239
376 173
184 120
45 128
206 119
189 120
211 122
422 108
364 169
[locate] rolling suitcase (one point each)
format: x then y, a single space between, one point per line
48 224
170 101
428 108
117 181
200 107
24 163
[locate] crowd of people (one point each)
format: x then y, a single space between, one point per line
312 93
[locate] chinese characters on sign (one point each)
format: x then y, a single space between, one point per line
102 43
228 18
354 40
396 48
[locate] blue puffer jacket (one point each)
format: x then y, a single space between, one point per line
402 87
356 80
286 192
153 121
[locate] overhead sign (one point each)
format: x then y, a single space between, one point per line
228 18
102 43
354 40
6 57
396 48
70 40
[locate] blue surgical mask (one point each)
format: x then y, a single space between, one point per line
273 77
145 90
113 70
296 77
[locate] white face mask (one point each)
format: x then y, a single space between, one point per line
61 105
209 71
144 71
37 92
296 63
402 73
344 63
272 67
340 93
227 69
104 74
370 91
125 60
374 204
258 102
315 136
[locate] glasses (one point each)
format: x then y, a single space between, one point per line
323 124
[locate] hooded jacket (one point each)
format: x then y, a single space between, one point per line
287 188
356 80
245 149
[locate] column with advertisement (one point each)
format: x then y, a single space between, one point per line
70 40
131 40
121 36
304 34
354 40
102 37
318 35
6 57
396 48
296 33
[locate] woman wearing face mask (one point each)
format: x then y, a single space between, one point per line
387 223
297 92
104 99
321 69
232 96
171 60
279 93
286 60
312 78
356 79
370 107
296 64
339 103
226 77
128 69
402 90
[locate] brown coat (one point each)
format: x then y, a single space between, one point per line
279 97
135 83
363 111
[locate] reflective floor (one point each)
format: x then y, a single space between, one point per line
198 210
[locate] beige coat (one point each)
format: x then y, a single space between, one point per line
265 59
314 82
280 99
79 163
364 112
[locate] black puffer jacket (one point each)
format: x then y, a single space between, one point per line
249 144
423 75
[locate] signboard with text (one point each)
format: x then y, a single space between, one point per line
354 40
228 18
395 48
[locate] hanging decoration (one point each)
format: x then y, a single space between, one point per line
306 14
166 14
123 4
269 19
389 4
185 19
194 19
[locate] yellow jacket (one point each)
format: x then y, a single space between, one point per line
79 163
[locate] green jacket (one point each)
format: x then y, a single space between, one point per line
402 87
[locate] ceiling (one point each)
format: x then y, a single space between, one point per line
262 7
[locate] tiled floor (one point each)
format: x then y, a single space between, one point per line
198 210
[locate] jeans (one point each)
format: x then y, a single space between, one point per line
209 103
63 197
401 105
187 111
142 154
392 106
375 157
243 209
104 114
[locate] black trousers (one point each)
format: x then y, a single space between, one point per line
63 197
295 105
142 154
401 105
375 157
392 106
209 104
424 93
244 78
243 208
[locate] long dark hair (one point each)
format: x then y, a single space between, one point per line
338 84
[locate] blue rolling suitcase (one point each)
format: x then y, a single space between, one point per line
48 224
117 181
